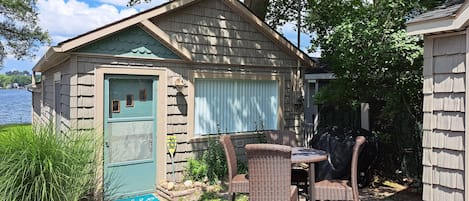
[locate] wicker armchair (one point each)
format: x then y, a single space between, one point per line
238 183
299 175
270 173
340 189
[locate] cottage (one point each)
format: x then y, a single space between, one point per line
446 52
187 68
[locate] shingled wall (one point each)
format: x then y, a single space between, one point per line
444 117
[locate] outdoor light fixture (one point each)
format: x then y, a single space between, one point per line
179 83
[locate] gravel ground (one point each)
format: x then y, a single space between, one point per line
387 193
392 192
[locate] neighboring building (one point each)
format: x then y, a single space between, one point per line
446 52
188 68
314 80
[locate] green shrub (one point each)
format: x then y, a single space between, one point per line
38 165
242 167
215 159
210 196
212 164
196 170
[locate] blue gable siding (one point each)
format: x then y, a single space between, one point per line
133 42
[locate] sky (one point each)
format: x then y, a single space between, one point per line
64 19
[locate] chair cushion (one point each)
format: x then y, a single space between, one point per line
333 190
240 184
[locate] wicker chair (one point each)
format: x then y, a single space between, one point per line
238 183
340 189
299 175
269 173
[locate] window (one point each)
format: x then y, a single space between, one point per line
129 100
232 106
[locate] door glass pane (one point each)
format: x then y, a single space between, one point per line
130 141
123 92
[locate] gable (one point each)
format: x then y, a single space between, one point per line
132 42
214 33
231 46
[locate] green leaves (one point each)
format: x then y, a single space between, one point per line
20 35
370 53
376 62
212 164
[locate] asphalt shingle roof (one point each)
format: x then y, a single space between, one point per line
448 9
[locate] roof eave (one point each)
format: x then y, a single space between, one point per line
444 24
51 58
431 26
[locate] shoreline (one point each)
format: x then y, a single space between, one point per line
21 88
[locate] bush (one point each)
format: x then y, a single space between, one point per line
196 170
37 164
212 164
215 158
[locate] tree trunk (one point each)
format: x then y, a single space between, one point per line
258 7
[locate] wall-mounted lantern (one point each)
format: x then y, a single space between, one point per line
179 83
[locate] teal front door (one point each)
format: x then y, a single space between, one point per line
129 135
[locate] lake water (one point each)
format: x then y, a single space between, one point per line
15 106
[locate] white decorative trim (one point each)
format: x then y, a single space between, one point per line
466 124
319 76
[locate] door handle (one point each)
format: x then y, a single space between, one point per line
106 144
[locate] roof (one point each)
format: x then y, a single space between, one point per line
321 67
60 52
445 10
450 16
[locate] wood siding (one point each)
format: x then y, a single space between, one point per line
44 102
444 118
214 33
83 100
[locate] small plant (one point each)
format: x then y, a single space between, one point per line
212 164
196 170
37 164
210 196
259 131
215 159
242 167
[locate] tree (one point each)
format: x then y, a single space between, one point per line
281 11
258 7
375 62
16 72
4 80
20 35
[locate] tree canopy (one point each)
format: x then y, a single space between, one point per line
21 78
20 35
375 61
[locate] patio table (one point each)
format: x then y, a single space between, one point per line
308 156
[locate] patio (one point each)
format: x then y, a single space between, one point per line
383 192
260 155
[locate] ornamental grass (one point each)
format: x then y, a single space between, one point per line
38 164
